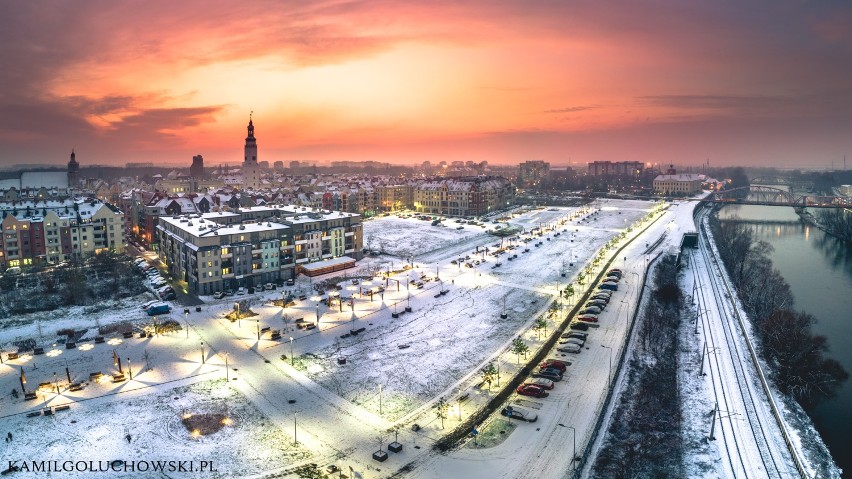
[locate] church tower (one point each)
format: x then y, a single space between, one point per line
251 171
73 168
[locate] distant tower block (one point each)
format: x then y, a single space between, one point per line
197 169
73 170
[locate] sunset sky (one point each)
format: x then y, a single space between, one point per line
752 83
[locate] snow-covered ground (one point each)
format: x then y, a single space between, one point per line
448 339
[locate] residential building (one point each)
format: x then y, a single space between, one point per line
255 245
466 196
53 231
616 168
530 173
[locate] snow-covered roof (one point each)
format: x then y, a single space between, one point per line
680 177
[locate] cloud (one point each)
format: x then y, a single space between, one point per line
716 101
571 109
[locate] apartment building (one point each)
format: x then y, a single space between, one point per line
252 246
53 231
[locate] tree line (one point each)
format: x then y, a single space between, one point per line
644 438
796 356
837 222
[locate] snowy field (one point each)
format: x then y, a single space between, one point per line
247 444
404 237
435 350
420 354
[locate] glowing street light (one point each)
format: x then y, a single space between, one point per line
291 350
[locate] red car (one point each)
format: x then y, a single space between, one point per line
588 319
532 390
553 364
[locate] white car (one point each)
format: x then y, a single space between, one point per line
569 348
150 303
543 382
577 341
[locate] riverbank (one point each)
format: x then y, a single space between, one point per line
817 271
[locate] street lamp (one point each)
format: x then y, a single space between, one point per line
380 399
56 383
258 330
291 350
186 322
129 369
295 439
227 378
610 365
318 315
202 353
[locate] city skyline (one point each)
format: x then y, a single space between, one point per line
501 82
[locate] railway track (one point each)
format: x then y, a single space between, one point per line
752 441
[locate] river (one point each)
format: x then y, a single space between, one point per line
818 268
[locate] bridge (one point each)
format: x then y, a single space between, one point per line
768 196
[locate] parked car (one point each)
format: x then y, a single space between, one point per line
519 412
229 292
555 371
604 297
569 348
579 326
576 334
290 282
552 363
591 310
612 279
270 286
241 290
169 296
541 382
600 303
609 285
615 272
161 308
589 318
218 295
548 373
532 390
149 304
577 341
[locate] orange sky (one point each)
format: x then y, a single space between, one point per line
501 81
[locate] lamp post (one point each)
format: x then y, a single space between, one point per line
291 350
202 353
573 445
186 322
258 329
239 319
56 384
380 399
610 366
67 371
318 315
227 377
295 438
129 369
